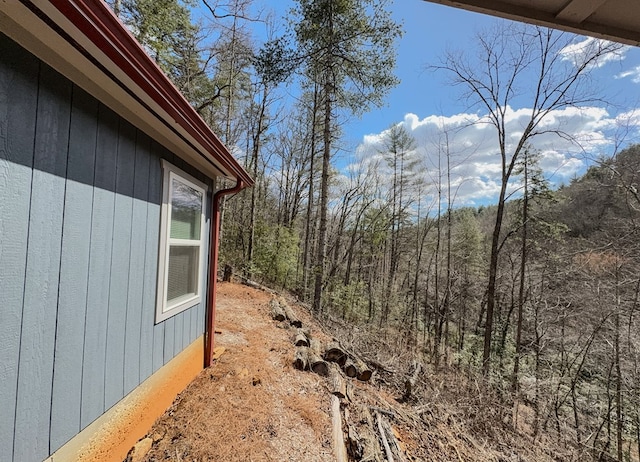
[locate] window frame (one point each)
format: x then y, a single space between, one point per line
165 310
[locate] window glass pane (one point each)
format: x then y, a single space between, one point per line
186 209
183 272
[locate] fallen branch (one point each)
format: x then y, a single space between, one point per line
380 410
383 438
389 440
338 436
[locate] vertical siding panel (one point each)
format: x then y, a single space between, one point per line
120 261
18 96
152 338
158 345
169 339
186 327
193 328
35 371
137 266
200 321
99 267
178 327
72 299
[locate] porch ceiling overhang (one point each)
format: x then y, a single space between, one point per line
617 20
87 43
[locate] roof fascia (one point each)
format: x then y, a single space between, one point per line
533 15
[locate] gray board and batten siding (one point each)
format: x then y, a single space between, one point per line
80 195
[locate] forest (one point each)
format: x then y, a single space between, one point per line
537 294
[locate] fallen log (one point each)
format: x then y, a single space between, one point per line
339 448
362 441
301 339
315 345
350 395
335 354
301 358
372 449
350 368
364 372
352 438
291 316
351 363
252 284
317 364
277 312
338 384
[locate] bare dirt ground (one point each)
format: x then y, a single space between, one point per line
251 405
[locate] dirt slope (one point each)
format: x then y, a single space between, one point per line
251 405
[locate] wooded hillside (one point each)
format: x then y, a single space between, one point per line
538 294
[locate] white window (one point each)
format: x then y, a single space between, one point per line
181 253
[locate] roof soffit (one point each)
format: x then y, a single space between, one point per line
88 45
617 20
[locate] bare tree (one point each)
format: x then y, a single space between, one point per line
347 48
498 76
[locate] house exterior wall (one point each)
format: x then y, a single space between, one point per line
80 195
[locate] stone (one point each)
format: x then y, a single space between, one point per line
140 450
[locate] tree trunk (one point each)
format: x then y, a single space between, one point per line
308 241
254 162
324 201
491 285
521 288
619 413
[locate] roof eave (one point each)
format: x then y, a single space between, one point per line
86 42
530 13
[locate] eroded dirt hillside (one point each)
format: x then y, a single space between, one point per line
252 405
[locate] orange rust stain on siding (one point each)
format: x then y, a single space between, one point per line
135 414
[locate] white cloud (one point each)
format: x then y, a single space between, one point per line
633 73
577 52
473 150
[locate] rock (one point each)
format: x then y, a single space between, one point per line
140 450
217 352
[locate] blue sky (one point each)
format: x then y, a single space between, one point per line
423 102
